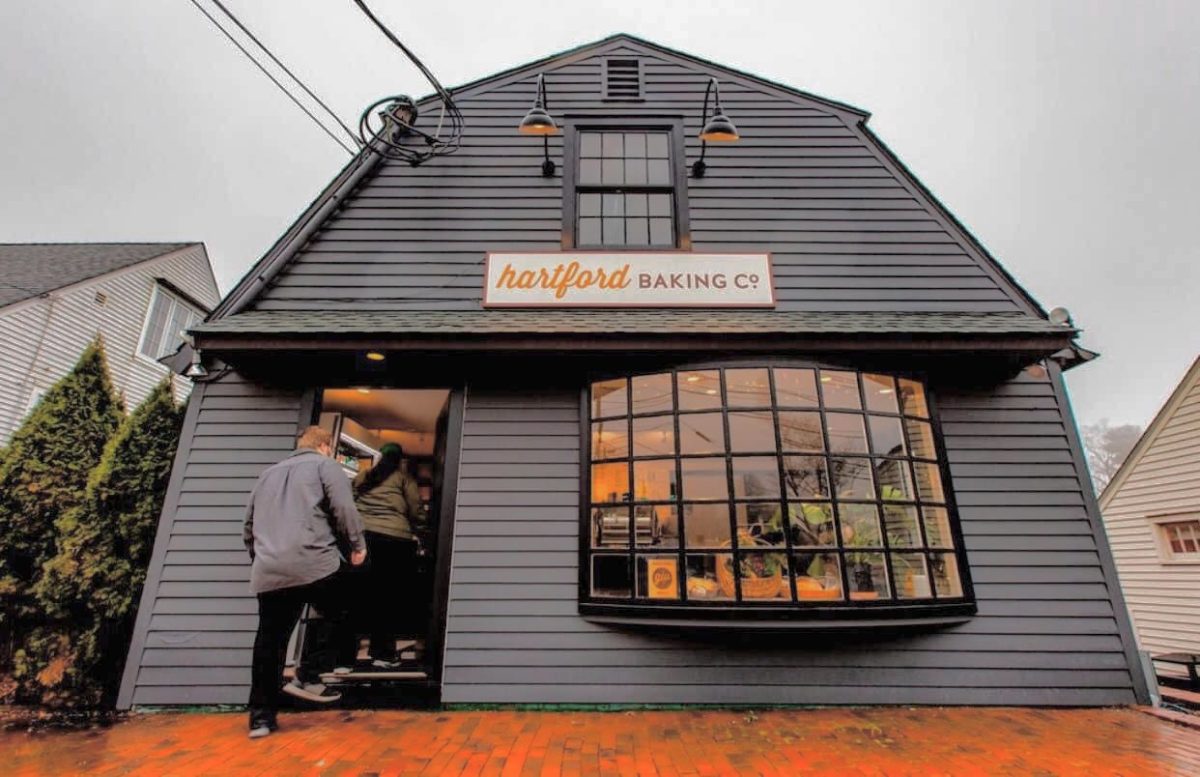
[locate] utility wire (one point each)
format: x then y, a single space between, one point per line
284 67
274 80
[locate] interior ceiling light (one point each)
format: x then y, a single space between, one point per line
375 356
538 121
717 129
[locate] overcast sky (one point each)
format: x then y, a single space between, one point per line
1063 134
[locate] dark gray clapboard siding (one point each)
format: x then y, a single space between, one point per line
1045 633
847 230
197 617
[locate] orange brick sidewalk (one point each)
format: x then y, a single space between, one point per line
887 741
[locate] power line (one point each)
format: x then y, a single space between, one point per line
284 67
274 80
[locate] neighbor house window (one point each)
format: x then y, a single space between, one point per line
1179 540
790 487
167 320
626 192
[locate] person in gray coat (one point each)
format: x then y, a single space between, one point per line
300 522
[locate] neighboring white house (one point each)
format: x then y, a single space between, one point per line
56 297
1151 511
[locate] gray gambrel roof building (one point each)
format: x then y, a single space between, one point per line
611 482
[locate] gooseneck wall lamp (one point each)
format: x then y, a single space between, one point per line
717 129
539 122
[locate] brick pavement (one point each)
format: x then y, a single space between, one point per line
510 743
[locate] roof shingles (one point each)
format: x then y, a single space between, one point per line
32 269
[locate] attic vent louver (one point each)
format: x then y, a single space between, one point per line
623 79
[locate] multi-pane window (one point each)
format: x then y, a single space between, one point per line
767 485
169 317
624 190
1180 540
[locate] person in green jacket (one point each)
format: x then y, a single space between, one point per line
394 524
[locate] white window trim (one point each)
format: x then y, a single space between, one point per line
155 290
1165 554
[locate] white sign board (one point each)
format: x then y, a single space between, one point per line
602 279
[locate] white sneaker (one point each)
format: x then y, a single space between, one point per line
259 732
343 670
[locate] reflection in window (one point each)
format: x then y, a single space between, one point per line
624 190
767 486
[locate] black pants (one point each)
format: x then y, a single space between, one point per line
388 593
278 612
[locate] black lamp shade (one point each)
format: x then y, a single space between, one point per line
537 122
719 129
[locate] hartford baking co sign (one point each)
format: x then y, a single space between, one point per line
597 279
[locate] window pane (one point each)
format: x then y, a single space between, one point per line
795 388
658 172
707 525
611 578
589 172
887 438
654 436
657 526
912 579
610 439
589 204
945 575
762 576
705 479
635 145
609 398
761 520
895 485
868 576
614 204
652 393
881 393
661 232
660 204
805 477
612 172
748 388
658 577
699 390
912 398
589 232
637 231
610 527
812 524
800 431
751 431
610 482
702 583
635 204
851 478
860 525
840 389
635 172
613 145
756 477
156 326
589 144
701 433
846 433
656 145
902 528
818 577
654 480
937 527
929 482
614 231
920 439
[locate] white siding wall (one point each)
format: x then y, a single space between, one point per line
1163 598
42 338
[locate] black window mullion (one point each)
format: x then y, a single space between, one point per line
729 500
681 549
881 515
834 501
912 469
785 505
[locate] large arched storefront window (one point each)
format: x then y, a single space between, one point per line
792 488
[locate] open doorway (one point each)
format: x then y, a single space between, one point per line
393 622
